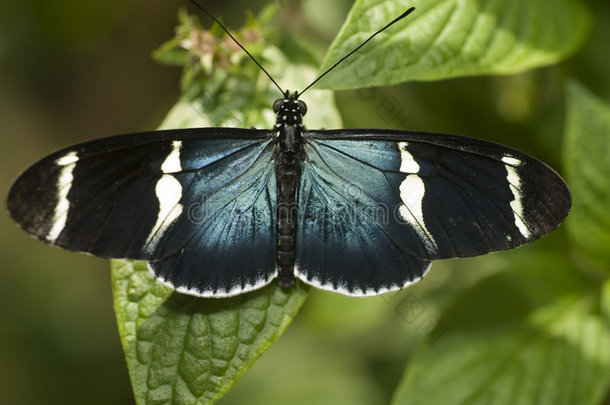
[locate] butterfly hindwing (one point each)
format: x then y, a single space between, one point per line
234 247
168 197
405 198
340 243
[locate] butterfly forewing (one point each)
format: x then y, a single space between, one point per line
378 205
154 196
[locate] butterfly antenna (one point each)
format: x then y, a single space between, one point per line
200 7
403 15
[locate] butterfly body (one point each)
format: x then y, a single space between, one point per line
288 159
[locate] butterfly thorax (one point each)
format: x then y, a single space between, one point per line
288 161
289 110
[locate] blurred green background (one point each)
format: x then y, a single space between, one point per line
72 71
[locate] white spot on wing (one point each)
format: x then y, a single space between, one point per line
407 163
412 193
172 161
169 193
515 187
509 160
68 159
64 183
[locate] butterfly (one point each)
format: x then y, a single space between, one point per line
217 212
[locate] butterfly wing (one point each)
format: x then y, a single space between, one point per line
198 204
378 205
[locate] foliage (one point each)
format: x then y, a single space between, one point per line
587 155
539 338
183 349
452 38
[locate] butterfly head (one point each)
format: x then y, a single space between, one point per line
289 110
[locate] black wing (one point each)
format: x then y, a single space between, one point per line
378 205
198 204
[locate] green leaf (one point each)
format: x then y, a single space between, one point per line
587 160
187 350
538 339
452 38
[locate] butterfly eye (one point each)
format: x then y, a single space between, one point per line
302 107
277 105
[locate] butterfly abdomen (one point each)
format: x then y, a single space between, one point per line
288 165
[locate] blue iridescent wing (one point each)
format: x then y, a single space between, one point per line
378 205
198 204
